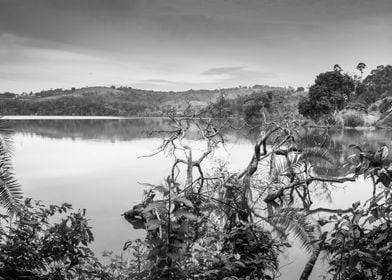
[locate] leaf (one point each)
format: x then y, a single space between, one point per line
153 224
317 153
357 217
356 204
154 205
185 201
161 189
240 264
383 152
354 259
370 261
370 220
381 238
355 147
296 222
184 213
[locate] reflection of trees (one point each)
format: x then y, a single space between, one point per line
111 129
322 138
337 142
98 129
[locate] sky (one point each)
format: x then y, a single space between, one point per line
187 44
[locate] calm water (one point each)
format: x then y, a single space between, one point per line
95 164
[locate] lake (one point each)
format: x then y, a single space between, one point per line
96 164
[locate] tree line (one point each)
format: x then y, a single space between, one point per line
334 90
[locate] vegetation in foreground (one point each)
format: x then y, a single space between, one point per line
214 224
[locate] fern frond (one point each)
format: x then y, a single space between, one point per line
295 222
10 189
6 141
316 154
278 167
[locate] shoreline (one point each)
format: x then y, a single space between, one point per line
32 117
348 127
54 117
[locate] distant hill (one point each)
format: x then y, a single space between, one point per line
121 101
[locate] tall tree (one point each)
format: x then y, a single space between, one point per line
337 68
376 85
330 92
361 66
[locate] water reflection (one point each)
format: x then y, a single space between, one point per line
112 129
90 129
337 142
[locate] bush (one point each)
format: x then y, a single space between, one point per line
48 242
385 105
353 120
373 108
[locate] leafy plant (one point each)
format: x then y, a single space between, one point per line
353 120
360 243
33 247
10 189
331 92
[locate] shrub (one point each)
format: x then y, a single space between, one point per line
373 108
48 242
385 105
353 120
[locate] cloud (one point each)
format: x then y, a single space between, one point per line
237 72
222 71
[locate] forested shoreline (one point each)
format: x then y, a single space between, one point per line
336 99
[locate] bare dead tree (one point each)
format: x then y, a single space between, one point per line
184 154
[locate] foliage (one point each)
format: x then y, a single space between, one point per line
361 66
376 85
385 105
360 243
194 227
182 244
36 249
10 190
51 242
331 92
248 251
353 120
219 225
374 108
222 108
255 106
212 227
119 101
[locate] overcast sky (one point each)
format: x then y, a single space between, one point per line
183 44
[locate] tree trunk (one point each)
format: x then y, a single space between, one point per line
310 264
313 259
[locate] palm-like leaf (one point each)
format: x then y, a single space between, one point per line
294 221
316 154
6 142
10 189
296 161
